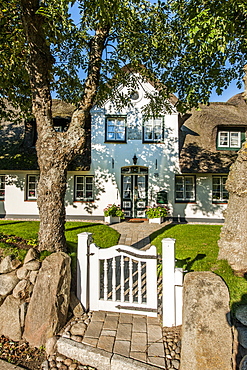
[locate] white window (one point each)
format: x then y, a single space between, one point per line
116 129
153 129
84 188
229 139
220 194
185 188
32 182
2 187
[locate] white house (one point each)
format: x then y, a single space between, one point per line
133 161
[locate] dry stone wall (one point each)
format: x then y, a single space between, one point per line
34 297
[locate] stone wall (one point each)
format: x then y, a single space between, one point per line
34 297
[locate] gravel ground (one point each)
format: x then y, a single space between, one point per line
19 353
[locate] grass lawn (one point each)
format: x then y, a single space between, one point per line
197 250
103 235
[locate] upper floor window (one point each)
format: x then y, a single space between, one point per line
153 129
2 187
116 128
230 139
84 188
220 194
32 182
185 188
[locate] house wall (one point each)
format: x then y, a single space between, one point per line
203 209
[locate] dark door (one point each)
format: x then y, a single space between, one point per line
134 193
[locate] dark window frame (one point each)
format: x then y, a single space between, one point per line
153 140
29 189
84 190
222 190
115 117
230 131
2 187
184 199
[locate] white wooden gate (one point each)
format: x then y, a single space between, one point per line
124 279
120 278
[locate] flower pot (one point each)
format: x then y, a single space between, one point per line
157 220
112 220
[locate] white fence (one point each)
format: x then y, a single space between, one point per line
124 279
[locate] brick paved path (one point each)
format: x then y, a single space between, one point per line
135 336
137 234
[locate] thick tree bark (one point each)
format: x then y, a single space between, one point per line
55 150
233 240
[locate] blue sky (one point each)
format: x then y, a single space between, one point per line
227 94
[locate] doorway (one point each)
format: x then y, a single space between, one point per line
134 195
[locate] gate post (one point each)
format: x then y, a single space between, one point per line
168 281
83 252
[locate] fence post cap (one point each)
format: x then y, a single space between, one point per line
167 240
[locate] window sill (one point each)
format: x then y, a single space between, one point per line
30 200
219 202
185 201
152 142
84 201
115 142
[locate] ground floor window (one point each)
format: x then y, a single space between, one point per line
32 182
2 187
84 188
185 188
220 194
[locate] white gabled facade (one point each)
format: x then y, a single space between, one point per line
114 145
134 163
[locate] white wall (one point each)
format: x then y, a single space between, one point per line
203 207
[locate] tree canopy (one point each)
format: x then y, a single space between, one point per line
189 46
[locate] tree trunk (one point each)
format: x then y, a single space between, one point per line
51 193
233 240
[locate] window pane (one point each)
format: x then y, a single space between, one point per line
2 186
32 187
153 129
185 188
234 139
115 129
223 138
84 188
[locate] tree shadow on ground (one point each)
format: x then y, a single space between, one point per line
187 263
160 231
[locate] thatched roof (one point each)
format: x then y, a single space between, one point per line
17 151
198 136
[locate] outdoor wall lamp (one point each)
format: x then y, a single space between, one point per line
134 159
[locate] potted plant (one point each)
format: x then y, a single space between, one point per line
156 214
113 214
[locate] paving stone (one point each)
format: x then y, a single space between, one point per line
139 324
122 347
139 342
124 332
90 341
141 356
156 349
158 361
110 323
154 333
94 329
113 314
153 321
110 333
125 318
106 343
98 316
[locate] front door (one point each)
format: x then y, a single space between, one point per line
134 191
